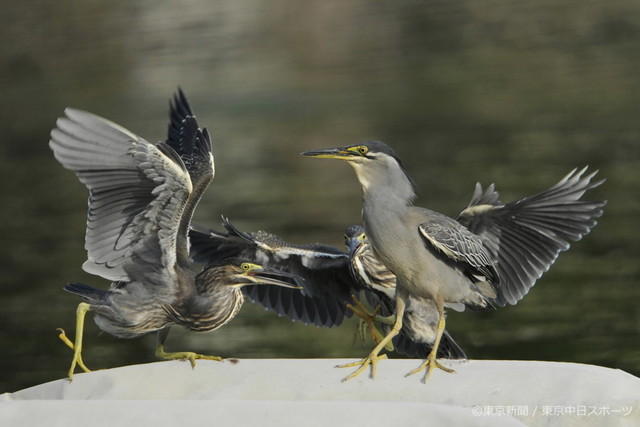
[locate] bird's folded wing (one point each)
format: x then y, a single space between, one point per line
458 244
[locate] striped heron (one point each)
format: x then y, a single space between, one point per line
141 200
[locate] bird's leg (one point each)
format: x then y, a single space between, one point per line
366 318
373 357
63 337
431 361
180 355
81 311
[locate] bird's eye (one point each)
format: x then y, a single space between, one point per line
245 266
362 149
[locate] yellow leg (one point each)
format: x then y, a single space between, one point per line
431 363
67 341
182 355
373 357
368 319
81 311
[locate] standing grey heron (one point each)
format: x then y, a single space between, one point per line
419 328
332 280
493 254
141 200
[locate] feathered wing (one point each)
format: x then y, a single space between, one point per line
193 145
458 244
137 194
327 284
526 236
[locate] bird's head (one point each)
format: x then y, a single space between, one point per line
361 153
237 272
376 164
354 237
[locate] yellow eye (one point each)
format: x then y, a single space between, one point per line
245 266
360 149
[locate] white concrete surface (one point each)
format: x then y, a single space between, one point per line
296 392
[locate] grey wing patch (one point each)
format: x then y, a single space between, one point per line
459 244
526 236
136 193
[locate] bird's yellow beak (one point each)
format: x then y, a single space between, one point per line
261 275
330 153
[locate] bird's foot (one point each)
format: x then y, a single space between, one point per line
76 346
367 322
429 365
63 337
188 355
372 360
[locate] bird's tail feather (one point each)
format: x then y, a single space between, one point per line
88 293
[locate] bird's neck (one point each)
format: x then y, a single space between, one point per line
387 196
387 186
210 283
212 305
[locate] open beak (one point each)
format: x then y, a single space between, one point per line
261 275
330 153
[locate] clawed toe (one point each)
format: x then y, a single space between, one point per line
372 360
429 365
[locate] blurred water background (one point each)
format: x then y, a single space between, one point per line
516 93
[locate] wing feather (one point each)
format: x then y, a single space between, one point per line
526 236
458 244
325 291
137 193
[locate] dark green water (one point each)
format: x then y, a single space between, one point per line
512 93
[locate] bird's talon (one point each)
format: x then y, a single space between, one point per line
367 321
63 337
429 365
369 360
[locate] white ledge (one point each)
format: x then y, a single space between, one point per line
309 392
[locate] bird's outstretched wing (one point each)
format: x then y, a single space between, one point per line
189 141
458 244
526 236
137 194
193 145
327 284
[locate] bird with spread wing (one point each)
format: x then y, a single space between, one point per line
491 255
141 200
